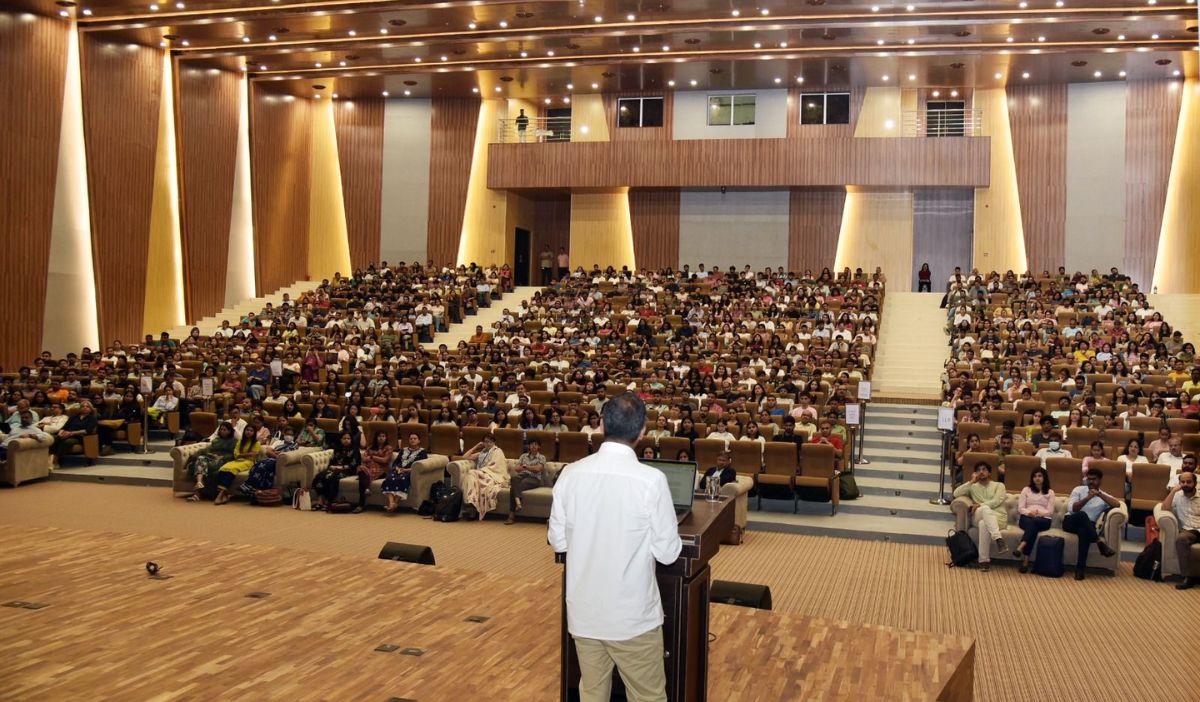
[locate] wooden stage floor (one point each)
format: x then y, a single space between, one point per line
109 631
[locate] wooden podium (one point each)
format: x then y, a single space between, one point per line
683 587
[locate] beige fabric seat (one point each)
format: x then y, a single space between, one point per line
28 459
288 469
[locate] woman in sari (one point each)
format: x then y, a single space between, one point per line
244 455
482 482
205 462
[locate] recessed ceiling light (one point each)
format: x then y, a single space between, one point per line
1010 40
417 59
245 40
1023 5
758 45
886 78
765 12
272 37
874 8
736 13
407 93
475 90
352 33
317 96
185 42
471 25
547 101
498 88
1176 73
999 76
671 83
87 12
778 81
595 86
524 54
179 5
912 41
385 93
503 24
666 48
910 8
1097 74
637 49
783 44
692 83
1151 2
1154 36
549 53
879 42
566 101
317 64
334 96
1120 37
1041 38
1025 74
444 58
598 18
799 79
383 30
630 17
937 93
912 76
953 93
1122 74
154 8
262 66
1059 3
342 64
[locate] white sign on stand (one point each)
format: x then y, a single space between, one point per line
276 368
206 387
852 417
864 390
946 418
147 385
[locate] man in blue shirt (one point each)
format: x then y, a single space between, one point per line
1086 505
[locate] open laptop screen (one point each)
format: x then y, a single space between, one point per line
681 479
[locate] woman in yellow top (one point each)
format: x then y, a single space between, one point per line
245 453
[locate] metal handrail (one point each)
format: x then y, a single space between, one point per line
536 130
942 123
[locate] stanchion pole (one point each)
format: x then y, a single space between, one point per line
143 449
862 430
940 499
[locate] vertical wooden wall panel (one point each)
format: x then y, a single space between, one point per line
208 132
814 220
35 51
281 167
122 86
654 215
943 219
452 147
552 228
1037 116
359 127
1151 121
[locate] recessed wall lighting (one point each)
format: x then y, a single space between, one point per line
1120 37
1022 4
1059 3
874 8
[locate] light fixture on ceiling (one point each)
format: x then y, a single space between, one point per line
547 101
272 37
953 93
912 76
1097 74
334 96
800 79
1154 36
874 8
912 41
1010 40
886 78
1120 37
503 24
765 12
598 18
910 8
352 33
471 25
879 42
549 53
475 90
179 6
407 93
778 81
498 88
783 44
566 101
758 44
666 48
524 54
262 66
383 30
630 17
385 93
87 12
342 64
1022 4
1025 75
637 49
671 84
185 42
154 8
999 76
417 59
570 86
1042 38
1059 3
736 13
1121 74
245 40
937 93
1176 73
693 83
595 86
317 64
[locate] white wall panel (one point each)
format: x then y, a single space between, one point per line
405 216
1095 235
733 229
691 116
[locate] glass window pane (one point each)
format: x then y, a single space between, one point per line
837 108
629 112
743 109
652 112
720 110
812 109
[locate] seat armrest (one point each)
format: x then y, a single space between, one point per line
741 486
961 507
1114 524
456 469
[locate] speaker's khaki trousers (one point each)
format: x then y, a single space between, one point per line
639 660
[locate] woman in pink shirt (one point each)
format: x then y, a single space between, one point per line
1036 507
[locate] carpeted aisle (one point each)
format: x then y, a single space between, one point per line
1136 633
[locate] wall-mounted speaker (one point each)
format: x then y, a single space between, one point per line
740 594
409 553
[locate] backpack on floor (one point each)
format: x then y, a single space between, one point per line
271 497
848 487
1152 530
449 508
1148 565
962 548
1049 559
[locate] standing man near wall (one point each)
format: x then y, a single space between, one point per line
563 262
614 518
522 126
546 260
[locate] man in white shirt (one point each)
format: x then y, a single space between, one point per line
1183 502
614 612
1053 449
1173 457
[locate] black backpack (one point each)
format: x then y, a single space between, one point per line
449 507
962 549
1148 565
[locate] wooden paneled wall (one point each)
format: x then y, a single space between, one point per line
795 130
654 215
281 166
208 130
814 220
452 144
35 51
122 86
1037 116
552 228
747 163
359 126
1151 121
640 133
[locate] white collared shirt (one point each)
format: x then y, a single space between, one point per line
614 519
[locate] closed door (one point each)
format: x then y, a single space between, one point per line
523 258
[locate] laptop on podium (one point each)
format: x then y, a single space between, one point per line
681 479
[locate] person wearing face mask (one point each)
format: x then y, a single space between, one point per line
1183 502
1053 448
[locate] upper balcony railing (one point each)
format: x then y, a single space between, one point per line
533 130
942 123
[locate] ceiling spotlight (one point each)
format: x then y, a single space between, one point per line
637 49
549 53
1022 4
383 30
524 54
666 48
1120 37
407 93
598 18
245 40
342 64
317 96
179 6
1176 73
1059 3
475 90
874 8
783 44
886 78
1097 74
937 93
262 66
570 86
352 33
1122 74
1041 38
595 86
317 64
497 88
671 83
87 12
879 42
999 76
778 81
758 45
444 58
1154 36
335 96
765 12
547 101
692 83
912 41
1151 2
272 37
185 42
1010 40
910 8
953 93
503 24
1025 74
385 93
154 8
630 17
736 13
566 101
471 25
799 79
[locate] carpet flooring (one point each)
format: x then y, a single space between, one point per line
1107 638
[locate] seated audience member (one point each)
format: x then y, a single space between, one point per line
376 461
825 436
1042 436
593 425
1133 454
1183 502
649 453
312 436
527 475
1160 445
1085 508
972 446
166 402
724 470
987 511
72 433
55 421
1174 458
397 483
25 427
262 475
346 459
245 453
1052 448
1004 449
205 462
1095 453
1036 507
660 430
789 433
483 481
722 432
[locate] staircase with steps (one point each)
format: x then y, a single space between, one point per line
485 317
234 314
902 443
152 469
913 347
